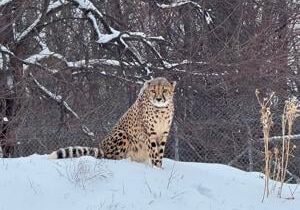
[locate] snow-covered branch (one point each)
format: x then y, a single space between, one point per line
33 59
178 3
44 53
3 2
112 34
56 4
47 53
184 62
93 62
26 63
28 29
4 60
5 50
59 100
49 8
174 4
121 38
88 6
92 12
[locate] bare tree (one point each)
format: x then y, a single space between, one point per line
70 68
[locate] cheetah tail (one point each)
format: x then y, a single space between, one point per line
71 152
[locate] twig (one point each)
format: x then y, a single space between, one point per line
60 101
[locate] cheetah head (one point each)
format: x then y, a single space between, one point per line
159 91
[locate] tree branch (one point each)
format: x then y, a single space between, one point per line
60 101
179 3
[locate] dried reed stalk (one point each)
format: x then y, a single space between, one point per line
266 121
290 113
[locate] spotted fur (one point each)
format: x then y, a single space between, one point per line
141 133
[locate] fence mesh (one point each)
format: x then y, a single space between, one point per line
207 127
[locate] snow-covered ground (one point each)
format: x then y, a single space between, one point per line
86 183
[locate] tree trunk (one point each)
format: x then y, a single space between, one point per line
12 70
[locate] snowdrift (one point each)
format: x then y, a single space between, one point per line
37 183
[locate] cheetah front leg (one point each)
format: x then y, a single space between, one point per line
157 146
162 145
155 157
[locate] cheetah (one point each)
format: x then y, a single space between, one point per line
141 133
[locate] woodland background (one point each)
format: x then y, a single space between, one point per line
70 68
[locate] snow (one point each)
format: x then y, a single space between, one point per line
45 53
173 4
91 62
56 97
3 2
95 25
36 182
144 36
3 56
178 3
29 29
59 99
1 61
88 131
208 18
5 49
105 38
87 5
10 81
54 5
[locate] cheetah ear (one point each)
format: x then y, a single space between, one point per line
146 84
173 83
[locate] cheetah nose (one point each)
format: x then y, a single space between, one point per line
159 99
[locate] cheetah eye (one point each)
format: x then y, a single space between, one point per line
152 91
165 91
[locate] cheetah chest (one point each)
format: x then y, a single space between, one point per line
160 123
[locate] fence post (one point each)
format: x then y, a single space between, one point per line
176 141
250 147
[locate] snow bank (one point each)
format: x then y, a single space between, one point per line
36 182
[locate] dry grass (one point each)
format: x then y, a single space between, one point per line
82 172
276 160
290 113
266 121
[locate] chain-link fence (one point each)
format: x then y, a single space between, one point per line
210 125
219 52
